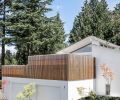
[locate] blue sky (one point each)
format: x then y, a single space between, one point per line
68 9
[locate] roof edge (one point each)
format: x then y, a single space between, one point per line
86 41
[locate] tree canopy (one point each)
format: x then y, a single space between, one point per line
32 31
95 19
116 25
25 24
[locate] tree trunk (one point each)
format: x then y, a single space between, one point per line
3 42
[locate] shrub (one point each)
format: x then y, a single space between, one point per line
100 98
28 91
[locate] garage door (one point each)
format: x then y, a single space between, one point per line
48 93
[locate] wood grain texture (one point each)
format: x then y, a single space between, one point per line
54 67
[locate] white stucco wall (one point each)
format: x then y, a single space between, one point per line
73 93
45 89
111 57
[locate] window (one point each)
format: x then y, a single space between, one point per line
87 48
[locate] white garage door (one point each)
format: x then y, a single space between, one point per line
48 93
42 92
15 90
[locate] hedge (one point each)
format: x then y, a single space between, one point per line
100 98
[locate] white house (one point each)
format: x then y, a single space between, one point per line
75 68
104 53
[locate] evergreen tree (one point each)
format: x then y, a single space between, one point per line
8 57
4 11
81 26
51 37
116 25
59 31
33 31
104 23
93 20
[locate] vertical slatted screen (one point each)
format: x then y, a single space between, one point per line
48 66
54 67
81 67
14 70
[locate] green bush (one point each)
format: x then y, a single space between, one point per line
100 98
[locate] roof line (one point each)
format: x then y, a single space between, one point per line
85 42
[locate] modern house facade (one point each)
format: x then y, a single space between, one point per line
58 76
104 53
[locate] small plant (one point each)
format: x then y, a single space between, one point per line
28 91
81 91
108 75
92 94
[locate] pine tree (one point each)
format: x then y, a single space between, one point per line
81 26
25 23
4 11
8 57
59 36
51 38
104 23
116 25
93 20
33 31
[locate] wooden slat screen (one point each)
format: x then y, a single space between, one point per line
81 67
48 67
14 70
54 67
